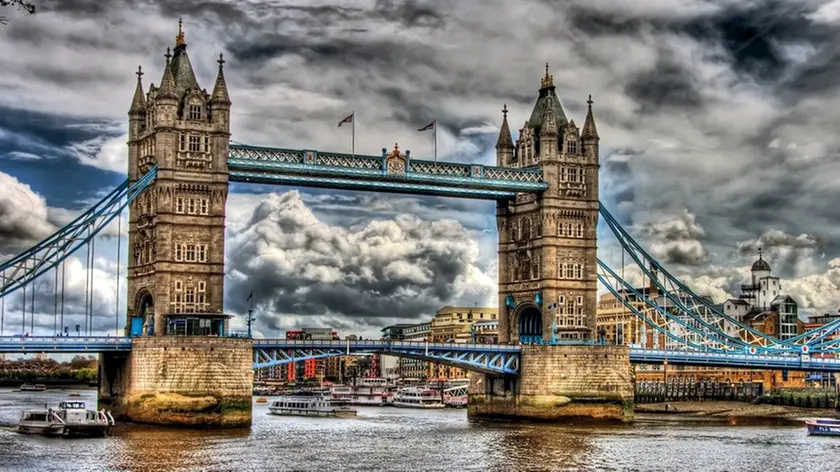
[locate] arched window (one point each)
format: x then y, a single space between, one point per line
525 229
195 110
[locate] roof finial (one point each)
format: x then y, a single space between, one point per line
759 253
396 149
590 102
179 40
168 55
505 110
139 73
548 80
221 60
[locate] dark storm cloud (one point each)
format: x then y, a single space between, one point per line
667 84
297 265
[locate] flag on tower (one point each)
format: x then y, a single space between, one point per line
250 296
428 126
349 119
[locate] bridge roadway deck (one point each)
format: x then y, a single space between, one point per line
493 357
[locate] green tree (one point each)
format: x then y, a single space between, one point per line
24 5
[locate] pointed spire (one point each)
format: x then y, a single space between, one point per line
548 80
220 91
167 83
589 129
138 104
505 139
179 39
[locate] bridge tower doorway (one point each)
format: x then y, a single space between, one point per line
143 321
530 325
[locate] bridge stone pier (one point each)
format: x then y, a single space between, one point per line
547 278
558 383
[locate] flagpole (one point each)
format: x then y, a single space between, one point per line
353 132
435 141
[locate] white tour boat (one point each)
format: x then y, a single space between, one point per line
309 406
416 397
68 420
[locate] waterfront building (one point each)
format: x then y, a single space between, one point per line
762 305
413 368
453 324
486 332
822 379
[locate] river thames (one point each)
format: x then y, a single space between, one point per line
381 439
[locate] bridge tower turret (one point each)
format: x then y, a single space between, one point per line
176 226
547 242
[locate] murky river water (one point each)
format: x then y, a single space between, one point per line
397 439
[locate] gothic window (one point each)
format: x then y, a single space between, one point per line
204 205
202 253
179 252
578 271
515 271
179 303
195 143
179 285
579 300
182 142
526 270
179 205
564 174
202 286
580 230
195 112
525 229
572 147
561 300
191 206
573 175
569 271
207 144
561 229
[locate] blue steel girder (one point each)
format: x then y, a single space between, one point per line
486 358
312 168
59 344
714 359
47 254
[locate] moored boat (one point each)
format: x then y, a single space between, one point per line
823 427
417 397
70 419
309 406
28 387
262 400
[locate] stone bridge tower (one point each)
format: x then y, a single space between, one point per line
177 225
547 242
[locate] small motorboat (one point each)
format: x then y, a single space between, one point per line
823 427
28 387
70 419
262 400
75 394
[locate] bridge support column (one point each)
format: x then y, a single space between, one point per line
559 383
183 381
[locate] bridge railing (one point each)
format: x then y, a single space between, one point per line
65 339
263 343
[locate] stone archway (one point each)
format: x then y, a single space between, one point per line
530 325
144 314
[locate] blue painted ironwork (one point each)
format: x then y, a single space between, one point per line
778 361
25 267
712 324
59 344
487 358
310 168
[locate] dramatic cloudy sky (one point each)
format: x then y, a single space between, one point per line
717 118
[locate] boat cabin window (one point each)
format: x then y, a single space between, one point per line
72 405
34 416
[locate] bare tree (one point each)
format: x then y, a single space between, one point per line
24 5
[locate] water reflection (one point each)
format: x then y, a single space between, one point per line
382 439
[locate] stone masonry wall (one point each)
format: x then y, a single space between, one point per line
197 381
557 382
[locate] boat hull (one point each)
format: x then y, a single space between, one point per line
44 430
823 427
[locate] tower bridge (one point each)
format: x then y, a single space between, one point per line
545 184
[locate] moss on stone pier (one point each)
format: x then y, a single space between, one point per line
190 410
